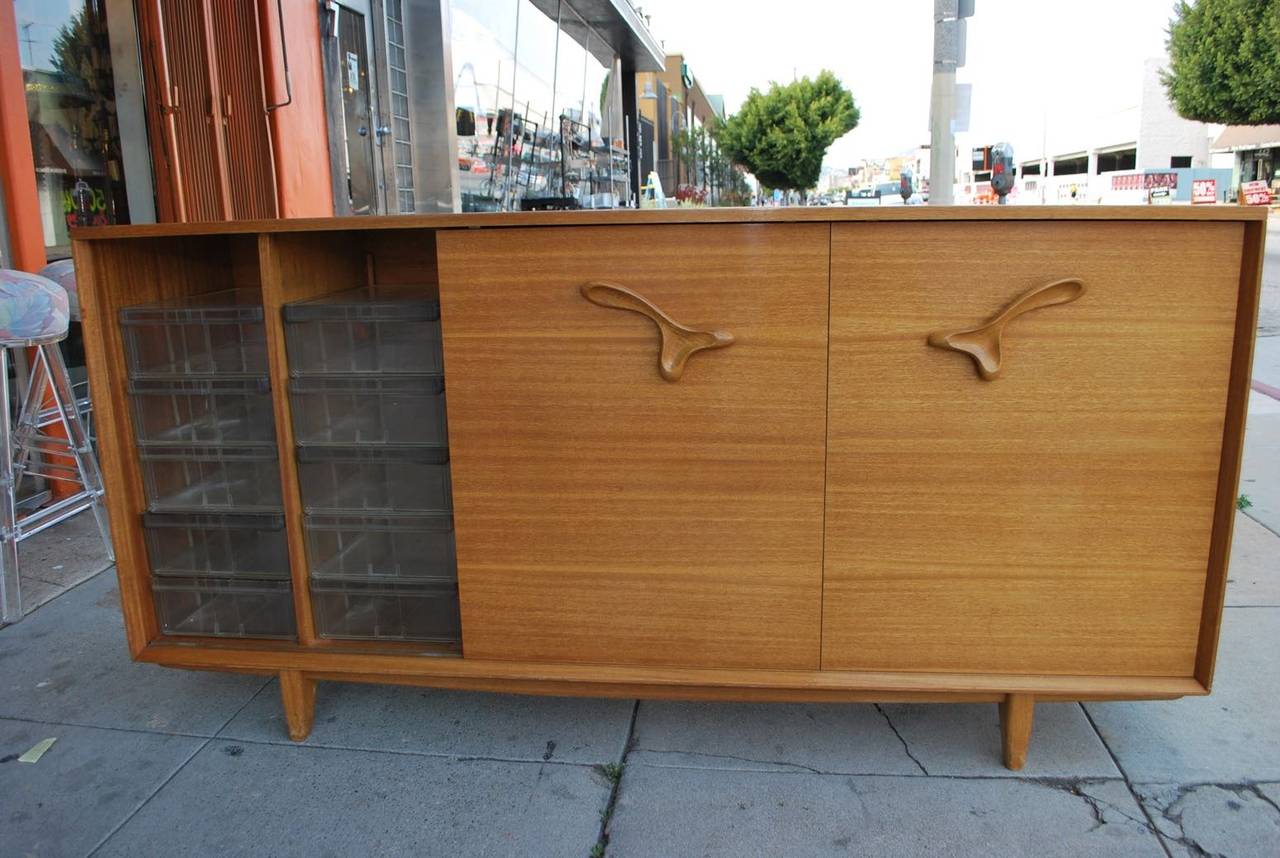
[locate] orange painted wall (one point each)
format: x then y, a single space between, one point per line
22 206
301 142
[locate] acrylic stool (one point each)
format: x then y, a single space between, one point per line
34 315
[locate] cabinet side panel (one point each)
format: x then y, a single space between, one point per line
1255 235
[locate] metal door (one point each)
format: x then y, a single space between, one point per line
353 104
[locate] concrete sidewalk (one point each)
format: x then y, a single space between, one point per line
150 761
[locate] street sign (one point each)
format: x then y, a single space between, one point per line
1204 191
949 44
1160 197
1255 194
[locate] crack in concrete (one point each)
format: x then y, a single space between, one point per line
735 758
1172 811
905 746
601 845
1097 806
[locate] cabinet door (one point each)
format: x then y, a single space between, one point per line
605 514
1057 518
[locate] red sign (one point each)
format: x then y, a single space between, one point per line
1144 181
1256 194
1204 191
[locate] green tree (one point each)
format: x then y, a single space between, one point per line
782 135
1224 61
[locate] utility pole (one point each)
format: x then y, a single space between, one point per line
948 55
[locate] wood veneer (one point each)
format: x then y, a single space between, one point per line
850 515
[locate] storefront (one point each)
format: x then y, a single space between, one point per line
189 110
72 156
1257 153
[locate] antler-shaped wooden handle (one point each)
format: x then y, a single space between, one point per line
983 343
678 342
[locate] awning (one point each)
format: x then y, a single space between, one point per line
1237 137
608 27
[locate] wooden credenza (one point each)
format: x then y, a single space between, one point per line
911 454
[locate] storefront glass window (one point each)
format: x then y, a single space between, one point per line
75 140
483 47
517 70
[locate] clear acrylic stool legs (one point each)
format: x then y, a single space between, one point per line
26 450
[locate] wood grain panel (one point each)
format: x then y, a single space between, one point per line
297 268
646 681
1057 519
650 217
604 514
1215 590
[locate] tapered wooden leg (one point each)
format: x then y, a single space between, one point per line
299 695
1016 714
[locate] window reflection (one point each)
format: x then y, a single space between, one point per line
531 102
75 139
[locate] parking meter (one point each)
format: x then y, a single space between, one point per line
904 185
1002 170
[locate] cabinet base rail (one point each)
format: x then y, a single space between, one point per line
299 672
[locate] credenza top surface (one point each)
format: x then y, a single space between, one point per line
598 217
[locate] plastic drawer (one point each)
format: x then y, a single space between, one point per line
224 607
221 333
203 411
211 479
374 479
388 547
403 410
383 331
386 611
217 545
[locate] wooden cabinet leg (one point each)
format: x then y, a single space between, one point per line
298 692
1016 714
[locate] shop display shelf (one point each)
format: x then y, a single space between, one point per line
217 545
390 611
224 607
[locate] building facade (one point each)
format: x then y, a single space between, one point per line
671 105
116 111
1115 158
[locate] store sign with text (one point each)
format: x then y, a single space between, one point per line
1204 191
1255 194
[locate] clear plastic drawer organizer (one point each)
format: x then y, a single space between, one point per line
224 607
217 545
203 410
219 333
367 396
395 410
423 611
389 548
205 425
366 331
374 479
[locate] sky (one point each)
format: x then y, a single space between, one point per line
1034 65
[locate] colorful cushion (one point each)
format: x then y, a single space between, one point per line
33 309
63 272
